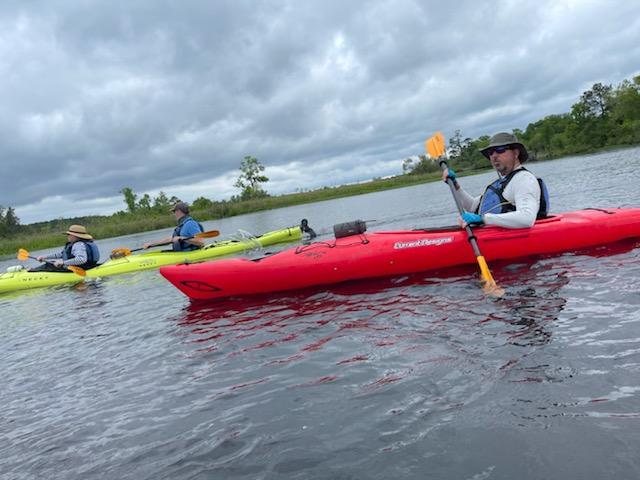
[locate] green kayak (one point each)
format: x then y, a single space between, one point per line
19 279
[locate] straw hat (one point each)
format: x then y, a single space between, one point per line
79 231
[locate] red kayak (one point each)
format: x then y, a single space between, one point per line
368 255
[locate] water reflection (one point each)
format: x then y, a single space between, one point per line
531 310
419 304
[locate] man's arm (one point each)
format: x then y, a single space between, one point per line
190 229
469 203
52 256
79 252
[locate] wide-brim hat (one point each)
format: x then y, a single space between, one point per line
504 139
79 231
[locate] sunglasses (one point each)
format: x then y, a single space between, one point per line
493 150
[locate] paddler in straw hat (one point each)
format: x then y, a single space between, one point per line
79 251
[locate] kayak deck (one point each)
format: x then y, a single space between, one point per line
380 254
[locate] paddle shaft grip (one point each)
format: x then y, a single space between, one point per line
472 239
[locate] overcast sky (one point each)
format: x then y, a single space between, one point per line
171 95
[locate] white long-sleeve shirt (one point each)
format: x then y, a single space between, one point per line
523 191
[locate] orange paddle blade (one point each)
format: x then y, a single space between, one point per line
209 234
23 254
77 270
120 252
435 145
439 139
489 285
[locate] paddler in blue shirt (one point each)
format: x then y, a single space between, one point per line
516 199
187 227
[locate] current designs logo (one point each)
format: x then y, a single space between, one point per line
425 242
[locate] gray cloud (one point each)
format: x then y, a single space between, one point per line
161 95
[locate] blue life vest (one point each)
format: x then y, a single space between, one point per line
181 245
493 201
93 254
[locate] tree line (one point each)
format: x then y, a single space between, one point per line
605 116
249 182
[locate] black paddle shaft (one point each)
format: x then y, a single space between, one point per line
472 238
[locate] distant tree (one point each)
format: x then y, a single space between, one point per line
145 202
625 112
547 137
9 222
465 152
456 144
10 218
407 167
423 165
585 129
129 198
597 101
201 203
590 128
3 228
250 179
161 203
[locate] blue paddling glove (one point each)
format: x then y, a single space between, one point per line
470 218
451 174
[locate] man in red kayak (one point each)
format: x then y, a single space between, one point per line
516 199
182 237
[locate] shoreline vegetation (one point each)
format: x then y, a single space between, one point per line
605 118
126 223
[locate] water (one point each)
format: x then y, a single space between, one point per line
413 377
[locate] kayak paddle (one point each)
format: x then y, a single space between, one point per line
435 147
24 255
124 252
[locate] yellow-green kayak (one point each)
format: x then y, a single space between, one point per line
23 279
